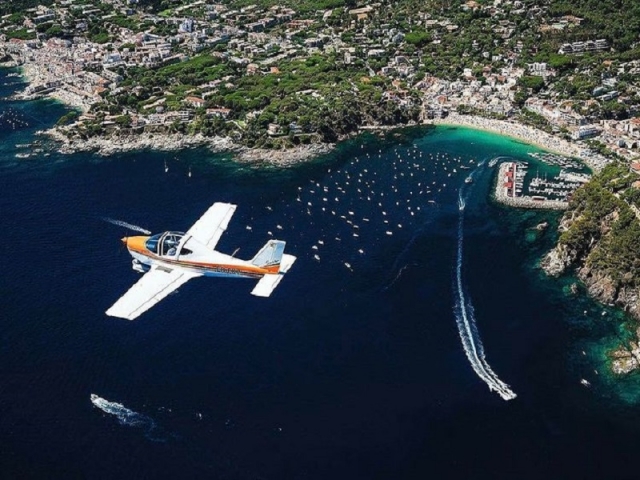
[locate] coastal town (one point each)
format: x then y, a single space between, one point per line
452 188
246 73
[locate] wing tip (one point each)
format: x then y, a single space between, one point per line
112 313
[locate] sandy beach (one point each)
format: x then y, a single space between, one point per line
523 133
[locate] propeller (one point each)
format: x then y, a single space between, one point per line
126 226
123 245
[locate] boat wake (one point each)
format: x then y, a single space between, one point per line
396 278
461 202
130 418
124 224
495 160
466 322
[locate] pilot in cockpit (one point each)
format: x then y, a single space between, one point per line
171 243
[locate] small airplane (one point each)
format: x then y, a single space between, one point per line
170 259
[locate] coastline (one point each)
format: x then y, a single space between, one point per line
523 133
282 158
106 146
285 157
31 76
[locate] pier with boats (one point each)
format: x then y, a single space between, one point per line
515 188
555 159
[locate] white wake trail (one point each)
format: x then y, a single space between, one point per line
461 201
129 418
466 322
124 224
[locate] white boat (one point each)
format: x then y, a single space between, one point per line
469 179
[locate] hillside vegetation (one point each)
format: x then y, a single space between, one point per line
603 231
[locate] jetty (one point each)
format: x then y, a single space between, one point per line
509 187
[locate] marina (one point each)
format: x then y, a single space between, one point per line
555 159
514 189
559 187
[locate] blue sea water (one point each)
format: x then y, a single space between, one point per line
356 367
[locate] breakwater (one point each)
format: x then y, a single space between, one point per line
502 194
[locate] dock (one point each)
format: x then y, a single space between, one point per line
508 190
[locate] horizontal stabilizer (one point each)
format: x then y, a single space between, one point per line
286 262
268 283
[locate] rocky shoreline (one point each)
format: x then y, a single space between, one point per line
602 287
286 157
283 157
599 285
106 146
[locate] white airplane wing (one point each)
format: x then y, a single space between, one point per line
154 285
210 227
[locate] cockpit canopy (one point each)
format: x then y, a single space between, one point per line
165 244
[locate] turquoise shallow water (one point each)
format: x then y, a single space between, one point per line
356 371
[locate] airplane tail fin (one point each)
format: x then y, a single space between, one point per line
270 255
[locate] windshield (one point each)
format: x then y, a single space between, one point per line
152 243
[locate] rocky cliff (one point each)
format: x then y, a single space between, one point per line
600 242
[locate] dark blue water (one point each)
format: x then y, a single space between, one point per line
347 371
